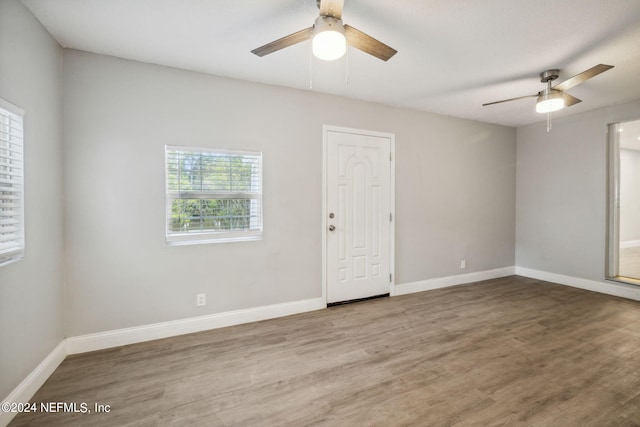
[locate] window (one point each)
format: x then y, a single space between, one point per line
213 195
11 183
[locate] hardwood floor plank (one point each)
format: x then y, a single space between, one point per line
508 351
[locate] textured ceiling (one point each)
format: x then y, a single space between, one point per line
453 55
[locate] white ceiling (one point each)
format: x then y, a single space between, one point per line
453 55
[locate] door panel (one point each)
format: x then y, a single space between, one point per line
358 195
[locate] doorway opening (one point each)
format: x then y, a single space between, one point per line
623 248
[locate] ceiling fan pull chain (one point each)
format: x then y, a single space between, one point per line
310 68
347 71
549 112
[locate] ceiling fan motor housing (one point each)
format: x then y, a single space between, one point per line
549 75
328 23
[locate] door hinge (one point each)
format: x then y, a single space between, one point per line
390 154
390 277
390 217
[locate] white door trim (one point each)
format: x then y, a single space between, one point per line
392 202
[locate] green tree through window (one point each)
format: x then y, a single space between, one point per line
213 194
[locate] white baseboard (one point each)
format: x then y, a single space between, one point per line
115 338
609 288
459 279
629 244
28 387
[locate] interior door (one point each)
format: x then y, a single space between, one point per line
358 214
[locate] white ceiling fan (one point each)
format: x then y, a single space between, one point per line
554 98
330 36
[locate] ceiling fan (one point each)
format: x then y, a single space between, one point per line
330 36
554 98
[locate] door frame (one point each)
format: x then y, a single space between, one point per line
392 196
614 167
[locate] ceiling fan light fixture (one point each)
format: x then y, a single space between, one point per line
329 42
549 101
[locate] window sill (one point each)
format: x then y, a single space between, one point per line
206 241
11 260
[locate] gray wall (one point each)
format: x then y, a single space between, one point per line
31 290
561 193
454 186
629 195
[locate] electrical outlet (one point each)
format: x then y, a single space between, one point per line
463 264
201 300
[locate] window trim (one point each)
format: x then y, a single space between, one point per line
17 253
205 237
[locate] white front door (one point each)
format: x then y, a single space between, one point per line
358 213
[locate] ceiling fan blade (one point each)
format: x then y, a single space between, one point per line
331 8
570 100
368 44
285 41
583 76
511 99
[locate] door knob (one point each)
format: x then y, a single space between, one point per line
332 227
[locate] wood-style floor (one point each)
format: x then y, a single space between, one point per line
510 351
630 262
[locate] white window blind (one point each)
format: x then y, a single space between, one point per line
11 183
213 195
